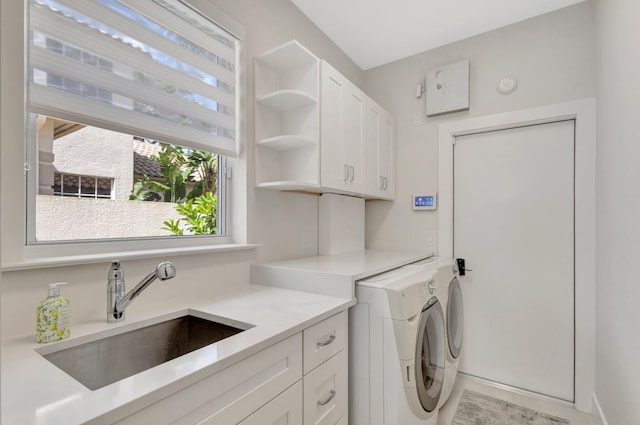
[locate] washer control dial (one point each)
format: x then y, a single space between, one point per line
431 286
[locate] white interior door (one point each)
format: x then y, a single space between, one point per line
514 226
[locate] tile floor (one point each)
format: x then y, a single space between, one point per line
522 398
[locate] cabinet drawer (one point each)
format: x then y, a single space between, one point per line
230 395
286 409
323 340
325 392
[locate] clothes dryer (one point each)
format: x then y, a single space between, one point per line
397 349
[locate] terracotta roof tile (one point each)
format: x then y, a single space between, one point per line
142 151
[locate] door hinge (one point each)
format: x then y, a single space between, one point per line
227 172
27 168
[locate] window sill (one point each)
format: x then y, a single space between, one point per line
70 260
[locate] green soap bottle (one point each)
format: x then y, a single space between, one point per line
53 316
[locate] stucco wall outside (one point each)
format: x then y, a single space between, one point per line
93 151
66 218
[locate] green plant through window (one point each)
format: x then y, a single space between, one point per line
190 180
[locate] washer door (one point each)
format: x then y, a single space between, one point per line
430 355
455 318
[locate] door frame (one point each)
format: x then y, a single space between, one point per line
584 113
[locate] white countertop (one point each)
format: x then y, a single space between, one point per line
35 392
333 275
357 265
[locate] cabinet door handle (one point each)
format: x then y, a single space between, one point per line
346 172
353 173
385 183
321 344
381 182
324 402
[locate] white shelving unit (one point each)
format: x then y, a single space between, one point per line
287 118
316 131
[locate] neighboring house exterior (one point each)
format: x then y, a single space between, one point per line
143 165
86 175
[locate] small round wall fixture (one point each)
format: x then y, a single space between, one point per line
507 85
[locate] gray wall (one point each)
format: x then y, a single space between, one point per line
618 212
281 222
551 55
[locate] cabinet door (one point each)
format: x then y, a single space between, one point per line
325 392
386 155
375 181
341 132
229 395
286 409
323 340
353 137
380 147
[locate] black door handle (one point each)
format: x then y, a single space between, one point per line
461 267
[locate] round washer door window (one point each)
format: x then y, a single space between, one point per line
455 318
430 353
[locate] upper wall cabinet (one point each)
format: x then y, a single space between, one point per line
342 113
380 142
316 131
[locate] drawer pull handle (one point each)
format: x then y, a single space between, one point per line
321 344
332 394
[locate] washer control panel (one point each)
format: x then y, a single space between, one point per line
430 286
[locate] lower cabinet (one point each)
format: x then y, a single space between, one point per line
272 387
286 409
228 396
325 392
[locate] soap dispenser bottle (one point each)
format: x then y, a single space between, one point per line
53 316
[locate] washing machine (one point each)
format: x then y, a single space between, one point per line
446 280
397 349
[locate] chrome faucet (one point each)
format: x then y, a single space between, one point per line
117 301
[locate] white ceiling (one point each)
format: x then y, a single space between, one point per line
375 32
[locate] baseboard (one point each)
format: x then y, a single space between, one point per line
598 414
520 391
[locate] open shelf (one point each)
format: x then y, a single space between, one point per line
290 185
288 56
286 142
287 119
284 100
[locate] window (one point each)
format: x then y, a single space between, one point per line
78 186
133 111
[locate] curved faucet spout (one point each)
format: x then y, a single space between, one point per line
118 303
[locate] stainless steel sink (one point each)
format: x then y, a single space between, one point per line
102 362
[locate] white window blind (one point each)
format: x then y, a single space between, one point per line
155 69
